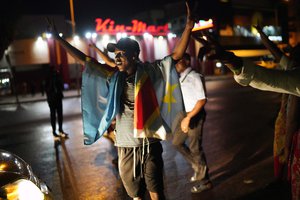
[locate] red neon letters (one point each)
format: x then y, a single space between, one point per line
108 26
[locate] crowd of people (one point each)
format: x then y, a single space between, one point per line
136 97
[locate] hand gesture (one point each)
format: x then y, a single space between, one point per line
189 20
258 27
51 27
215 51
211 46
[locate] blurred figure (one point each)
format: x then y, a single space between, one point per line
43 85
24 88
32 88
54 92
191 126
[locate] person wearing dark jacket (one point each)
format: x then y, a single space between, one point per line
54 92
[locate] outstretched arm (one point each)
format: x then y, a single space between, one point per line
247 73
269 79
74 52
272 47
104 56
77 54
183 42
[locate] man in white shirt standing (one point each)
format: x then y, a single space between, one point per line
191 125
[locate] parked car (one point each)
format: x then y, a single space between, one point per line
17 180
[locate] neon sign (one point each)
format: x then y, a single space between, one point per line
202 24
108 26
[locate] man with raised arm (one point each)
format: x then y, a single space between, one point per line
144 98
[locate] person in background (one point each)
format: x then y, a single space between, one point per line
54 93
191 126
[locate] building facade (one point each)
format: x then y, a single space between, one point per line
33 51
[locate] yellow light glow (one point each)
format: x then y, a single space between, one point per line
3 166
23 190
76 40
251 52
40 44
202 24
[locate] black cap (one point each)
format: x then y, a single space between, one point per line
125 44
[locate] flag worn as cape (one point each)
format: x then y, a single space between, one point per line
158 100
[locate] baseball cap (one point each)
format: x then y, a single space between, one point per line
124 44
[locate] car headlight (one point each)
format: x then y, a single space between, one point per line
21 190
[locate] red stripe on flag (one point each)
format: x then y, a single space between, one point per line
145 104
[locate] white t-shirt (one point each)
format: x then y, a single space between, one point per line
192 88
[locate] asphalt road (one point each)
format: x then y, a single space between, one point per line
238 141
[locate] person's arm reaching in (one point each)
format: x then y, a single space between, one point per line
247 73
110 62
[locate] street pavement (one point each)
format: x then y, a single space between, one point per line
238 142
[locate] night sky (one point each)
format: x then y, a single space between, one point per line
87 10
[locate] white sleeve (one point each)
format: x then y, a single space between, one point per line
199 92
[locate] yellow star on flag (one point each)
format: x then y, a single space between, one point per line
169 98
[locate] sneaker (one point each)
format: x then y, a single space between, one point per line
199 174
63 134
201 187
